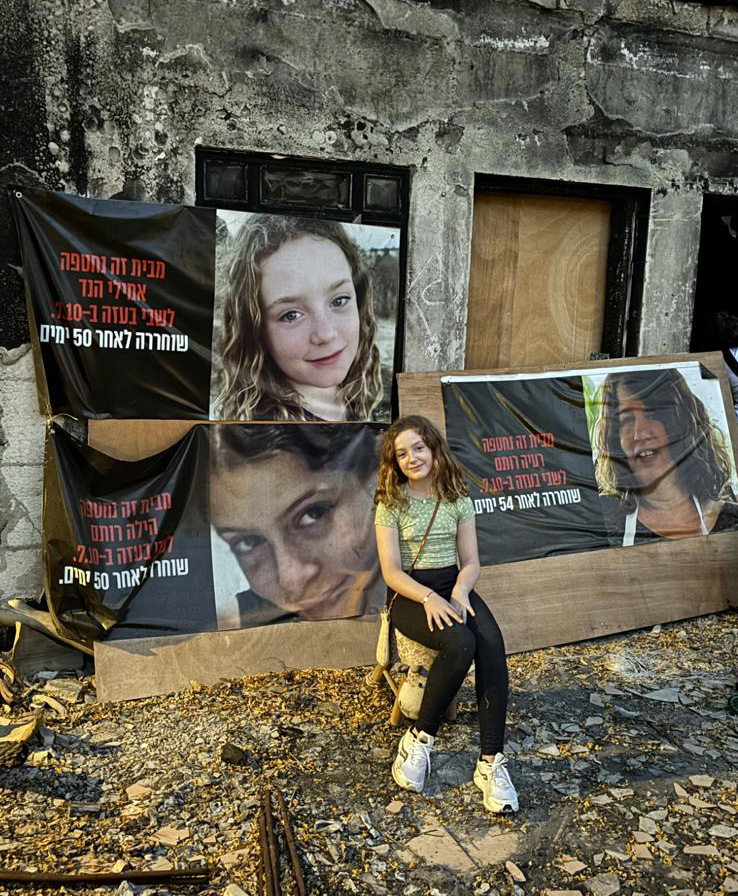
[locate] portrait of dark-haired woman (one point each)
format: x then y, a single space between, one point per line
294 504
660 454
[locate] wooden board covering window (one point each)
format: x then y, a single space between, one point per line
537 280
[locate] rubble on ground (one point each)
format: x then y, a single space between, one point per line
622 749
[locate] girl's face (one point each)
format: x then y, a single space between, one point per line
302 537
310 313
413 456
643 438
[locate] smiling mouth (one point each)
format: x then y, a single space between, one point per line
327 359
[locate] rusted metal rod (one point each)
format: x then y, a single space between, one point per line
266 863
195 876
291 846
272 840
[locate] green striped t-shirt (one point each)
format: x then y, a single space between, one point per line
440 548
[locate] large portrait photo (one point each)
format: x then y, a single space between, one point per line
291 513
661 448
305 319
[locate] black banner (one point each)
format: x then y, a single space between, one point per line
236 525
565 462
120 304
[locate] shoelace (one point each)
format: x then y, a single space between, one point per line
501 773
420 756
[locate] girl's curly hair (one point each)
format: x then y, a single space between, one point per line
253 387
448 475
697 446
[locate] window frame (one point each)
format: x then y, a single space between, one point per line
626 250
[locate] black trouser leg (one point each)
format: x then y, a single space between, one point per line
479 640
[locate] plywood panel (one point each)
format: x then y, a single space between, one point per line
556 600
537 280
134 439
143 667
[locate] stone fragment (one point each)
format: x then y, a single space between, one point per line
621 792
170 836
647 824
138 791
67 689
700 804
597 699
515 872
616 854
705 781
231 859
561 893
588 723
700 849
394 807
233 890
665 695
234 755
642 837
641 851
657 814
730 885
723 830
625 713
573 866
161 864
603 884
549 750
601 799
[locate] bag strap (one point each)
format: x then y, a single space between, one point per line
392 600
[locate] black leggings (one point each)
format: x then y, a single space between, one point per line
480 640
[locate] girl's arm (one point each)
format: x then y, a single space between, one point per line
437 610
466 546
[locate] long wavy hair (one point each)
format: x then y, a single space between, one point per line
448 475
697 446
253 387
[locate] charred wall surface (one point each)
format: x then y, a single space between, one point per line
111 97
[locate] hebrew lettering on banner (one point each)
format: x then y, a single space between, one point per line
120 299
237 525
584 460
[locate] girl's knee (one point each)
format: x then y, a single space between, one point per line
460 639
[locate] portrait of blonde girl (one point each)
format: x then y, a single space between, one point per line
299 329
427 544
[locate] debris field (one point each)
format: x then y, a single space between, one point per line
623 750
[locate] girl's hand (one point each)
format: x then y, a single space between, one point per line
439 611
460 602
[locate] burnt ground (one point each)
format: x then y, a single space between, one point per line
622 749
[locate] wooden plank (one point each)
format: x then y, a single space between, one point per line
537 279
144 667
135 439
558 600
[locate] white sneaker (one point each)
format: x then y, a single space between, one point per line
493 779
412 762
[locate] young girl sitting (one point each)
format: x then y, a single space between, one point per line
436 604
298 325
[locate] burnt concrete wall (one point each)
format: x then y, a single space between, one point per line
110 97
